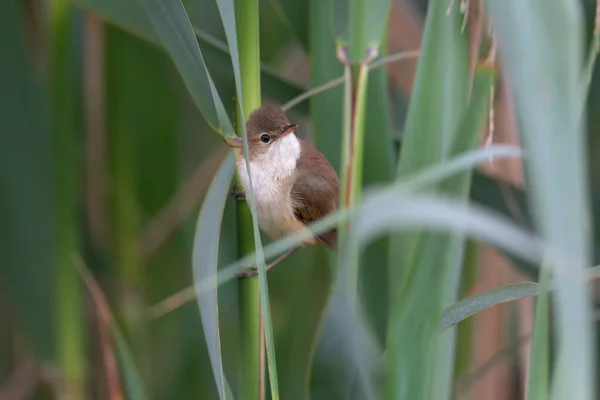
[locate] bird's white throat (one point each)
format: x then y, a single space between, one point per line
278 162
269 172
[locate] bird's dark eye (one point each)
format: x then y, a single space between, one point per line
265 138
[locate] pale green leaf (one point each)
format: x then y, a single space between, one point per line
205 259
539 357
173 27
470 306
542 49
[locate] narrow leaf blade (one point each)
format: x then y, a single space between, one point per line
204 260
470 306
172 25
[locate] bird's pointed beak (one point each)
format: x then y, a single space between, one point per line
235 142
289 129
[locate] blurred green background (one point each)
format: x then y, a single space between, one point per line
105 161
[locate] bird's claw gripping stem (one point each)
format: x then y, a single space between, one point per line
239 195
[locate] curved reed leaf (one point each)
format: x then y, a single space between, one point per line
403 186
295 14
172 25
325 108
546 84
539 359
424 261
132 378
204 261
412 183
25 207
250 94
360 25
347 360
129 17
470 306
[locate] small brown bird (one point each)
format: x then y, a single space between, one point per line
294 184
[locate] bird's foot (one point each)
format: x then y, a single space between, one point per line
253 270
239 195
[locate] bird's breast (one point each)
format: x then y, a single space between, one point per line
272 195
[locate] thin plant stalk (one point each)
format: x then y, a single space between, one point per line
592 55
405 55
352 154
539 359
252 331
70 332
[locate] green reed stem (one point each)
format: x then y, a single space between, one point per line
70 331
251 323
352 154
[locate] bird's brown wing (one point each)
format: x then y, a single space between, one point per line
316 189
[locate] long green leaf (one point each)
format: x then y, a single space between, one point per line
407 185
466 138
204 260
128 16
378 168
539 358
295 14
326 107
228 17
243 40
474 304
25 206
546 83
347 358
172 25
429 262
359 25
70 322
132 378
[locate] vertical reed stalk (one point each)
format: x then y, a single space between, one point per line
70 333
251 322
352 152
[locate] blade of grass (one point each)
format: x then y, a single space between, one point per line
539 358
405 55
131 377
441 75
352 165
172 25
435 213
347 360
26 264
592 55
248 90
546 84
205 258
472 305
437 266
359 25
295 14
103 319
379 168
326 107
408 184
423 261
70 324
465 138
129 16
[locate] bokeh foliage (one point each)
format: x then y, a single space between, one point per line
156 140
